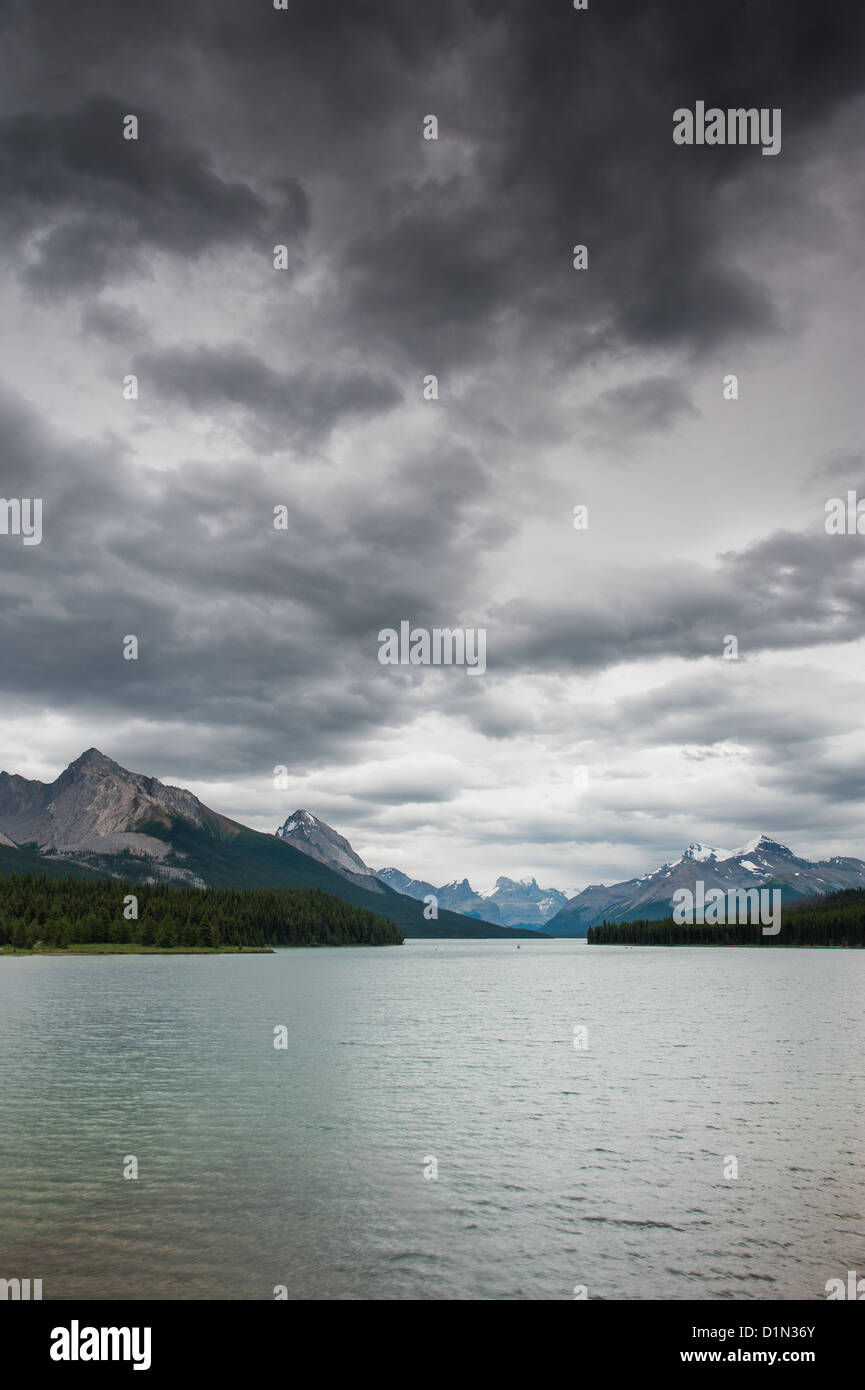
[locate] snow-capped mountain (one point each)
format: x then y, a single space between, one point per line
456 896
510 902
759 862
318 839
113 822
459 896
525 901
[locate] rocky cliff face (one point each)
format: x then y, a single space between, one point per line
96 806
318 839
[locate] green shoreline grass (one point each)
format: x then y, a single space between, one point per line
126 948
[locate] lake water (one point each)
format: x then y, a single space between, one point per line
558 1166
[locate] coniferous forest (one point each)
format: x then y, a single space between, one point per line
838 919
52 912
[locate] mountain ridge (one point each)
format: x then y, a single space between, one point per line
513 902
98 818
758 863
318 839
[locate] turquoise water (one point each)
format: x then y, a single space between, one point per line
557 1166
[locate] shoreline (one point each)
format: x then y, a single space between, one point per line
107 948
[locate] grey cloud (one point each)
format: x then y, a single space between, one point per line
406 794
446 264
785 592
277 408
116 324
822 777
96 200
265 639
702 710
629 413
433 263
259 647
428 276
844 469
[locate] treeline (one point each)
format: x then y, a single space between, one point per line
836 919
64 912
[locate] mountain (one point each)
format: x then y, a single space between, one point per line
456 896
511 903
99 819
524 901
459 896
760 862
306 832
401 883
96 807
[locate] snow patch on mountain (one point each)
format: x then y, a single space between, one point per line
320 841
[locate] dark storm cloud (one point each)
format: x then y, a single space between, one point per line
427 276
277 408
571 130
263 640
94 200
567 118
588 145
272 636
304 127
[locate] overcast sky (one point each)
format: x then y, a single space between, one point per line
557 387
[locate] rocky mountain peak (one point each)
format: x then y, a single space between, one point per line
94 801
762 844
93 763
320 841
698 853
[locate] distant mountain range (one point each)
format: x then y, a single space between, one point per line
509 904
512 902
761 862
99 819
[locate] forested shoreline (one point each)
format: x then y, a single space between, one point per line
837 919
38 910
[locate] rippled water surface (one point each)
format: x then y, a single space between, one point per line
557 1166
